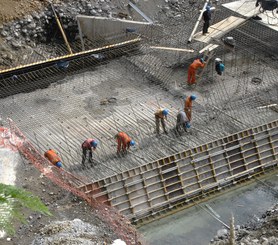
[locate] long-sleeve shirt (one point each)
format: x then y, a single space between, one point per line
87 144
182 118
52 156
188 107
159 114
196 64
123 141
207 15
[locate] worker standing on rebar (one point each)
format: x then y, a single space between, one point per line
191 78
206 19
182 122
89 145
188 106
124 142
53 157
161 116
219 66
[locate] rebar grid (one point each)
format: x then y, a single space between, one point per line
63 115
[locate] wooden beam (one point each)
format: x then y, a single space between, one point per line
173 49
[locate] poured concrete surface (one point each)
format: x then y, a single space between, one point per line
194 226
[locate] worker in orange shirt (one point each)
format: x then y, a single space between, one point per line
191 79
161 116
124 142
188 106
52 157
89 145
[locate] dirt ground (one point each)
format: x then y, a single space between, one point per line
62 204
13 9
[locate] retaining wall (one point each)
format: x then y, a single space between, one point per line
95 28
158 186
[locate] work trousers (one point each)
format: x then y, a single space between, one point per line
205 27
191 78
157 123
84 155
181 124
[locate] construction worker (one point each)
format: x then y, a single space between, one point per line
124 142
161 116
188 106
219 66
88 145
182 122
52 157
63 65
206 18
200 62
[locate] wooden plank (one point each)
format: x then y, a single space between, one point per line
209 48
219 29
173 49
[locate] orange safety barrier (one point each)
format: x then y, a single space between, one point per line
118 223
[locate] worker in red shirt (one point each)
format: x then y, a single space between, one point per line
191 79
161 116
188 106
52 157
124 142
88 145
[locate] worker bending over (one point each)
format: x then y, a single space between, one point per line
89 145
188 106
161 116
182 122
191 79
124 142
52 157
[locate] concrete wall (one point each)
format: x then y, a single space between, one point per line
101 27
159 186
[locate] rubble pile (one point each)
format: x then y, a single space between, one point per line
262 232
69 232
39 26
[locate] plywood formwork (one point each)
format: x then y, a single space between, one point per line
160 185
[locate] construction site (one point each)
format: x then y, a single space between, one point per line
114 77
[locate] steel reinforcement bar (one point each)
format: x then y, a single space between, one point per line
159 186
118 223
40 64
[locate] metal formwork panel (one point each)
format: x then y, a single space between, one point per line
157 186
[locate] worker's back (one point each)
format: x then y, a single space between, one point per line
52 156
188 103
196 64
122 136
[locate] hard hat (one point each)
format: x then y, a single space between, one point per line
132 143
94 143
202 60
193 97
59 164
187 125
218 60
165 112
